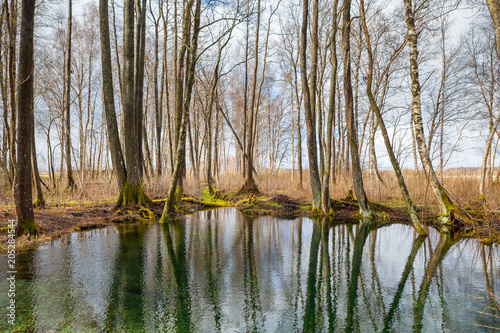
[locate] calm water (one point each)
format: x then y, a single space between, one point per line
220 271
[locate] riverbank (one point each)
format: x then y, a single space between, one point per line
61 219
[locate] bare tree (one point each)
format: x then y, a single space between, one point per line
380 120
67 103
183 95
108 95
442 197
132 192
357 175
309 103
22 184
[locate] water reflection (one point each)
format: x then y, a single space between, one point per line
221 271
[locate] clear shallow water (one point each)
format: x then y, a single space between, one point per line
218 271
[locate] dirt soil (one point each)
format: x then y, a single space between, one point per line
58 220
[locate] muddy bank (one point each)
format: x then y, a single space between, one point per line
62 219
58 220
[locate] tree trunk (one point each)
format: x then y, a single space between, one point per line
11 23
250 182
67 106
158 112
494 8
139 81
487 153
109 99
181 144
23 182
395 164
39 201
131 192
352 134
308 110
442 197
331 114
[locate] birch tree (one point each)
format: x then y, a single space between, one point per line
445 203
374 105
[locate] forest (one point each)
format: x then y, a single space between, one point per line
386 109
250 166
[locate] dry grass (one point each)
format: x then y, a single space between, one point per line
463 186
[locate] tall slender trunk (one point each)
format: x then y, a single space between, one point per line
352 134
487 153
494 8
11 23
331 114
139 81
39 201
298 123
442 197
67 102
380 120
308 110
181 144
158 112
131 192
109 99
253 105
23 182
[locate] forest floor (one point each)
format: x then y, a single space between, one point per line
92 205
57 220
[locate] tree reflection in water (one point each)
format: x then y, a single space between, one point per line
220 271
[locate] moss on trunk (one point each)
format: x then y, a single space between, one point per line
27 226
39 203
133 195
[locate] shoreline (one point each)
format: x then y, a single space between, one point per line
63 219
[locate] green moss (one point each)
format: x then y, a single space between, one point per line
131 195
29 227
331 213
146 213
39 203
215 203
177 197
165 216
216 200
383 217
350 196
246 201
259 211
317 212
343 204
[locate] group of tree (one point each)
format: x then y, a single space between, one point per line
167 87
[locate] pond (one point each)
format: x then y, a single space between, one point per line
220 271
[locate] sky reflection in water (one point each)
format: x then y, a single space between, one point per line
219 271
